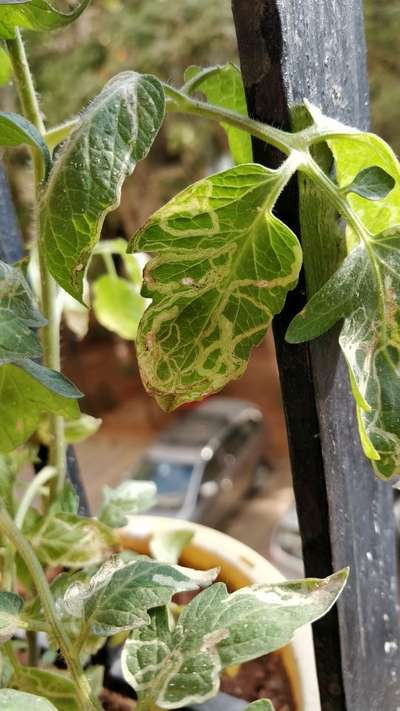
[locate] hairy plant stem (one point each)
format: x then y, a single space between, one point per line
50 333
32 491
9 529
177 101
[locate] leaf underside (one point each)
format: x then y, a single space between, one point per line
365 291
178 665
223 266
115 132
37 15
16 130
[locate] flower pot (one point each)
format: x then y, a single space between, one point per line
240 566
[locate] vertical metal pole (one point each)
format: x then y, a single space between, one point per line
315 49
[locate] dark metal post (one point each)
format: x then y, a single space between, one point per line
315 49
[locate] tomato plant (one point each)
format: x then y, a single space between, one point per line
221 266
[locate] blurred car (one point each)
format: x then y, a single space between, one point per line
206 461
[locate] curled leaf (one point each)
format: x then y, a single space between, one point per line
115 132
37 15
119 595
16 130
216 281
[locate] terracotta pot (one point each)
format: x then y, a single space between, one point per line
240 566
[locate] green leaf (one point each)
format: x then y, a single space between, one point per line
366 292
10 466
223 86
223 268
37 15
51 379
33 610
76 315
119 595
115 132
67 501
127 499
118 305
335 300
15 130
18 316
72 541
167 546
372 183
82 428
10 619
176 666
56 688
260 705
23 399
11 700
5 67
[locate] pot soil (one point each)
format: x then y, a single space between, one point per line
265 677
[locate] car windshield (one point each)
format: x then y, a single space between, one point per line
171 479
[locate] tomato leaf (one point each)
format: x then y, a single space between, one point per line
10 619
11 700
18 316
72 541
23 399
127 499
115 132
223 266
178 665
365 291
15 130
223 86
167 546
372 183
55 687
37 15
119 595
260 705
118 305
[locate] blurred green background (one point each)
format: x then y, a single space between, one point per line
164 37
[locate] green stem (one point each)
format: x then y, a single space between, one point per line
33 648
58 134
9 651
180 102
50 332
25 550
339 201
109 263
32 491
